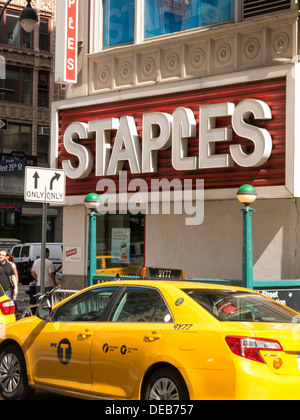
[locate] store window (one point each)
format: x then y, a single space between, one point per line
118 22
120 244
12 33
168 16
17 138
20 81
44 35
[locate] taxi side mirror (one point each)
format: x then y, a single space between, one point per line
44 313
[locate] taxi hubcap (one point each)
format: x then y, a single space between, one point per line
10 373
164 389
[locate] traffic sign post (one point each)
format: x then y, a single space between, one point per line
43 185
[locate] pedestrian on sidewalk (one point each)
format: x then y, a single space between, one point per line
11 259
49 273
7 276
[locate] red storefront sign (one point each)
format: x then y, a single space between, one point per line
71 42
67 41
270 173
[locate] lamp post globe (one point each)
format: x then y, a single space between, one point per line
92 200
28 17
246 194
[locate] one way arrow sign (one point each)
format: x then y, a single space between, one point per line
44 185
3 124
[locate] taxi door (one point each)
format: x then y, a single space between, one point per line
139 325
60 354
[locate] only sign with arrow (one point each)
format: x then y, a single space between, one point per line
44 185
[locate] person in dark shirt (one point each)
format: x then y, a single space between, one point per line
7 275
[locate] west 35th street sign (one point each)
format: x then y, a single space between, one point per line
44 185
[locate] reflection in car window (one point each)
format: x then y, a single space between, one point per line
88 306
233 305
141 305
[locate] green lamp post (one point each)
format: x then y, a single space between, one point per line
247 195
91 201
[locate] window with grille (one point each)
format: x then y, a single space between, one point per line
43 89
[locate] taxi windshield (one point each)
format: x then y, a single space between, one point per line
235 306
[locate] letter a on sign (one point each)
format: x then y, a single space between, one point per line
67 34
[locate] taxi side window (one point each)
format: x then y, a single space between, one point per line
88 306
141 305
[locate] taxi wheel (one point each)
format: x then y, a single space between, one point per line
13 375
166 384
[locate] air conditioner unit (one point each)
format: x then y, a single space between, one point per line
254 8
44 131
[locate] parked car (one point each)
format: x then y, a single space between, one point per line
25 255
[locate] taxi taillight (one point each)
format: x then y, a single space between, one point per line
7 307
250 347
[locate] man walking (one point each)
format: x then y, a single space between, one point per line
49 273
8 279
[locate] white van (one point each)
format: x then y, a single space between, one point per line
26 254
8 243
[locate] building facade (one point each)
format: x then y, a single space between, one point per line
25 137
185 95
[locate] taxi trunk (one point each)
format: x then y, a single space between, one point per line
276 345
287 360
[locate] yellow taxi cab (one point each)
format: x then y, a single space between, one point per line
155 339
7 309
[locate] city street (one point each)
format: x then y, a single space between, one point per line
41 395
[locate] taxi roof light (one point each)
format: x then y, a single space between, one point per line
7 307
153 273
249 347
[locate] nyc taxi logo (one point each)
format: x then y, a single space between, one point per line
64 351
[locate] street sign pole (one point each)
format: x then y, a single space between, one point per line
44 185
43 256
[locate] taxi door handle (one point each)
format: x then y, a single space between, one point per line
86 334
153 336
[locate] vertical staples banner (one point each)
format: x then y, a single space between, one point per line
67 37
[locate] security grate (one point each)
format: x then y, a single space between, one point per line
253 8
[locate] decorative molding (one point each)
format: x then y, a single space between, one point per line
232 47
